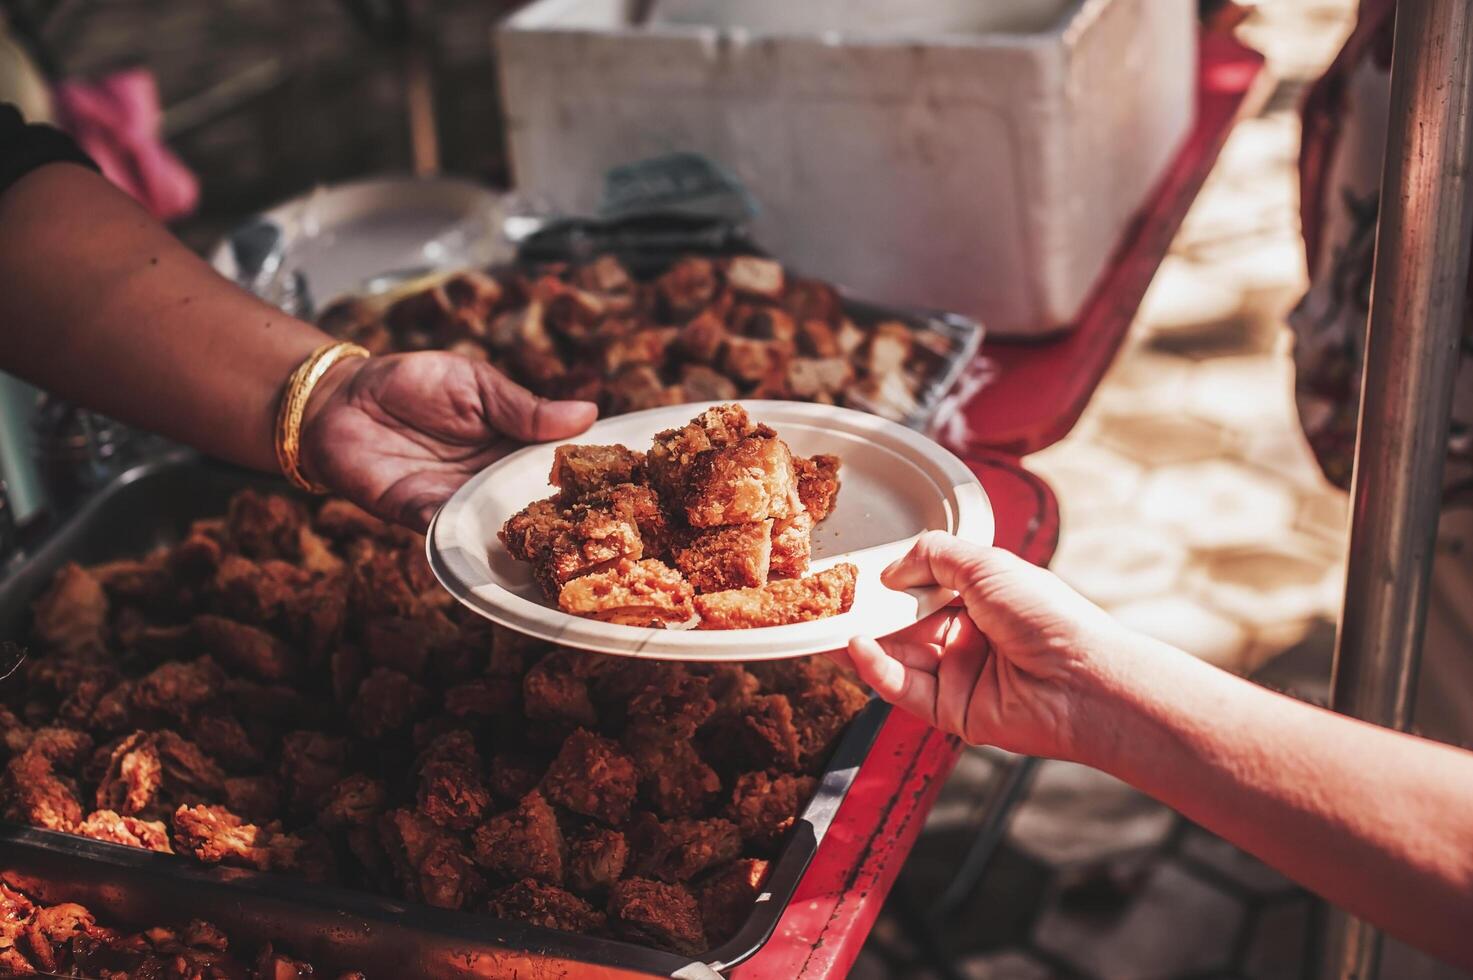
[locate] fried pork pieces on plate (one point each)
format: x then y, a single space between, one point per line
644 593
720 498
704 481
780 601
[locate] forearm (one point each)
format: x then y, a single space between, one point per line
100 304
1373 820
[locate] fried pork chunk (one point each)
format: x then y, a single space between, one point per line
642 593
658 913
355 801
39 795
769 733
792 545
214 835
147 774
553 690
387 702
764 807
311 763
818 483
177 689
263 526
66 939
257 798
524 842
821 712
580 470
637 387
529 532
701 383
679 850
700 341
245 648
71 616
674 778
595 540
638 505
341 520
592 776
52 933
482 698
514 774
429 863
596 859
727 896
447 877
737 556
541 904
451 790
145 583
675 450
780 601
564 539
105 825
65 748
670 703
755 276
687 287
749 481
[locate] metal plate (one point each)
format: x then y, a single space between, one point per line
336 928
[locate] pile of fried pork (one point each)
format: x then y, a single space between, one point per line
712 527
287 689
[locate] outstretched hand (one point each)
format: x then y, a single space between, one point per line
1008 667
398 435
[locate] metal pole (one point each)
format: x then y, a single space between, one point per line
1417 314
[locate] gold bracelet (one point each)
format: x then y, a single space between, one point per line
294 405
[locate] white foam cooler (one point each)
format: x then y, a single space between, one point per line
981 156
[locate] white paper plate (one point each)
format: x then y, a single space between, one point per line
895 484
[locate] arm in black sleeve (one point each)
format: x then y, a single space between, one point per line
24 147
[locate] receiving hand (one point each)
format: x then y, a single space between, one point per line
1008 667
397 435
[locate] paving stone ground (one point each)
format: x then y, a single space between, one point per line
1193 510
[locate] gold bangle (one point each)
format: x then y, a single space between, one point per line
294 406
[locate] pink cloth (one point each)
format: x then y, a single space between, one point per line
116 120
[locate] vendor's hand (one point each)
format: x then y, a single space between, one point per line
398 434
1010 668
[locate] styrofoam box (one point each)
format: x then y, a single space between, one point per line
981 156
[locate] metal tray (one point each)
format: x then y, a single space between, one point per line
336 928
318 258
